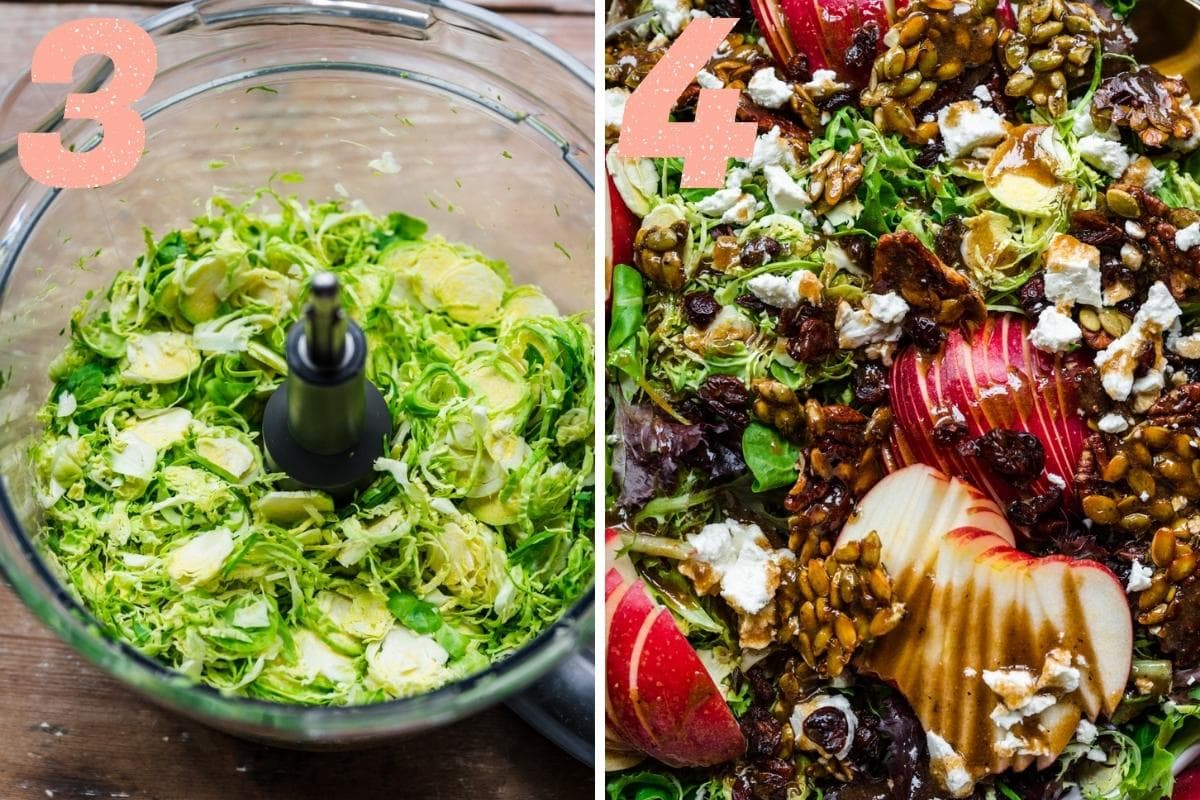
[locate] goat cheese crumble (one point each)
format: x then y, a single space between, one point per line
824 82
673 15
1105 154
1139 577
707 80
766 90
1072 272
742 559
614 107
1119 360
877 321
1189 237
948 765
966 126
1055 331
1113 423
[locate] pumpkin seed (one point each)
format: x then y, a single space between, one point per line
1136 522
908 84
1077 24
1045 31
1182 567
950 70
1046 60
1155 616
1099 508
1019 84
1039 11
1155 594
818 578
885 620
913 29
1123 203
1114 322
927 58
1162 547
1015 53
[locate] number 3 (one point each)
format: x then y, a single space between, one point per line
134 60
704 144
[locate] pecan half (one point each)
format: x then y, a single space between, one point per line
906 266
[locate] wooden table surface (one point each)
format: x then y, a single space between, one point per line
68 732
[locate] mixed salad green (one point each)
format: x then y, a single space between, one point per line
163 516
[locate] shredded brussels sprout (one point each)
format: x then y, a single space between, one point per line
162 514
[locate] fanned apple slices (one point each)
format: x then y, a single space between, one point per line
659 698
975 603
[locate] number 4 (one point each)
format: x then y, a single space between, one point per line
705 144
134 60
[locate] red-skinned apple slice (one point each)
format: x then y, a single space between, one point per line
623 227
839 19
995 379
820 29
774 29
804 25
975 603
1005 14
659 698
1187 785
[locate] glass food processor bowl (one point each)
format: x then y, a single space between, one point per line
438 109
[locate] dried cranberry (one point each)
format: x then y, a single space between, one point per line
948 244
1146 359
1028 511
828 729
858 246
723 229
869 383
864 46
1015 455
867 740
1089 391
790 319
1032 297
726 397
700 308
765 780
797 69
761 684
751 303
762 731
760 250
1094 228
835 100
926 334
930 154
734 9
814 340
949 430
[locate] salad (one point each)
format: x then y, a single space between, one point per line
165 520
904 418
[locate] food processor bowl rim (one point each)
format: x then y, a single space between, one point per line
184 16
282 722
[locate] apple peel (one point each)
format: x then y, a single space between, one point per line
975 603
659 697
993 379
